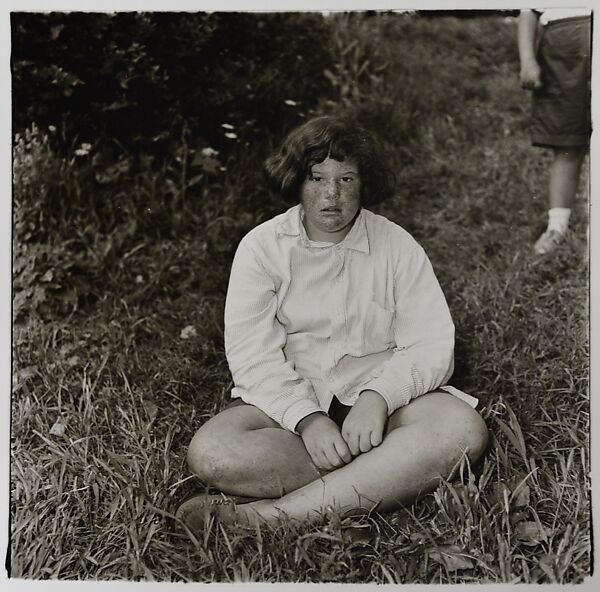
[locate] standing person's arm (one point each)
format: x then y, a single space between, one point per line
531 73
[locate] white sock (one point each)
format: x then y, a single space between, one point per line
558 219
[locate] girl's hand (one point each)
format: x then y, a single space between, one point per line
364 424
531 75
323 441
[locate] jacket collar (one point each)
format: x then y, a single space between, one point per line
357 239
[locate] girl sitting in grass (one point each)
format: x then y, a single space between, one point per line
340 342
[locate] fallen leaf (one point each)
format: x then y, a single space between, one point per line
497 495
48 276
452 557
530 533
151 409
73 361
517 491
26 373
187 332
58 429
519 516
521 496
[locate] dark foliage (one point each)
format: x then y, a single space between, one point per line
135 76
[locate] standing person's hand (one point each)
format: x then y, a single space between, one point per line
324 442
531 75
364 424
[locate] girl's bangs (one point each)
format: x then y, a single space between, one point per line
336 149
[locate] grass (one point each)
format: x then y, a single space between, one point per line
105 400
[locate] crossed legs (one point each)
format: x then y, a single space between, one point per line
243 452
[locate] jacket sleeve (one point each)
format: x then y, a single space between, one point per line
423 358
254 342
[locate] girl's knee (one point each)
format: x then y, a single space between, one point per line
468 429
455 425
216 453
202 455
207 452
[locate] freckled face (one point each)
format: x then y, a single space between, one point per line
330 198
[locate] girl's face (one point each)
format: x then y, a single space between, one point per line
330 198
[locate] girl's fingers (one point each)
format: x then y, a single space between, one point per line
343 451
325 464
365 442
334 459
376 437
331 454
354 445
351 438
320 460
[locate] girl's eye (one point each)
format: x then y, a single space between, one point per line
347 179
315 178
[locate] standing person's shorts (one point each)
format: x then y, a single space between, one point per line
561 107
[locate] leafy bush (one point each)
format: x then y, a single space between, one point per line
78 219
136 77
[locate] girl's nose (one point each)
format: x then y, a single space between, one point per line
333 190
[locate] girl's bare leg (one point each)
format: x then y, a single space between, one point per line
425 442
243 452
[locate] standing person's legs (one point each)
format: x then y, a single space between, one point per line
561 117
424 442
564 177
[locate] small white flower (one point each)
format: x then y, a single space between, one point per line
231 135
84 149
139 279
187 332
227 126
290 102
52 128
208 151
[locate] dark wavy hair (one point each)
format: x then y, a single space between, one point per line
337 138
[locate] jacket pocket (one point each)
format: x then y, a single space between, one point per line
379 328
